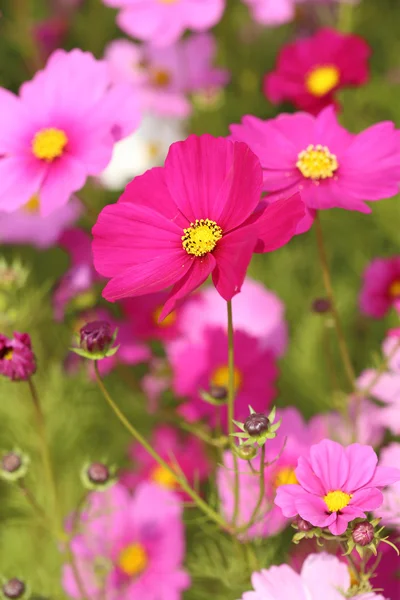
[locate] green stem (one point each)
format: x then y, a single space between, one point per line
344 352
231 413
44 449
261 494
21 32
202 505
345 16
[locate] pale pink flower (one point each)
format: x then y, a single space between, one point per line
390 509
381 287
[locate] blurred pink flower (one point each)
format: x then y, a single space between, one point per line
164 77
322 576
60 130
255 375
256 311
294 439
336 485
188 452
381 287
162 22
17 361
318 157
27 226
310 71
156 381
176 225
136 543
271 12
390 509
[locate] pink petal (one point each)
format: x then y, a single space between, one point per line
330 464
313 509
384 476
323 574
20 180
287 496
307 478
366 499
278 223
362 463
64 176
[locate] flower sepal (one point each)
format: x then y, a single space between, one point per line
257 428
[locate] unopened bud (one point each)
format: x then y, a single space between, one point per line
11 462
246 452
363 533
13 589
302 524
14 465
321 305
97 476
96 336
98 473
218 392
256 424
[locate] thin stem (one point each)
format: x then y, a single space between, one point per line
202 505
344 352
231 412
345 16
261 494
44 449
32 502
21 31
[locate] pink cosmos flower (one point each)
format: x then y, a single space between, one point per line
294 439
256 311
17 361
310 71
381 287
176 225
322 576
390 509
255 374
164 77
162 22
27 226
188 452
76 287
328 165
136 542
336 484
60 130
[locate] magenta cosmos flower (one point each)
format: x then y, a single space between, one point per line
17 361
310 71
136 543
163 78
293 439
336 484
187 451
61 129
176 225
381 287
255 375
162 22
322 576
328 165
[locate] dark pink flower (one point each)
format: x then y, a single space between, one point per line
310 71
17 361
381 287
176 225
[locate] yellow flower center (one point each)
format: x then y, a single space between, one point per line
153 150
284 476
164 478
133 560
6 354
201 237
322 80
220 377
49 144
33 205
394 289
316 162
168 1
167 322
160 78
337 500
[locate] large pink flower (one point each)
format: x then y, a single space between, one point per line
309 71
164 77
136 542
336 485
61 129
381 287
176 225
204 366
322 576
318 157
162 22
188 452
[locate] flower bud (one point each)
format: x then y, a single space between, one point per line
13 589
246 452
321 305
98 473
302 524
218 392
14 465
363 533
96 337
17 361
11 462
256 424
97 476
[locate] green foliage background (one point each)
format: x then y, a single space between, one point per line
80 426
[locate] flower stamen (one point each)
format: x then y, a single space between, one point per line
337 500
133 560
316 162
322 80
49 144
201 237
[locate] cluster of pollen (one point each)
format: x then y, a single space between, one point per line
322 80
33 205
160 78
6 353
337 500
133 560
394 289
201 237
49 144
164 478
220 378
167 322
316 162
284 476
